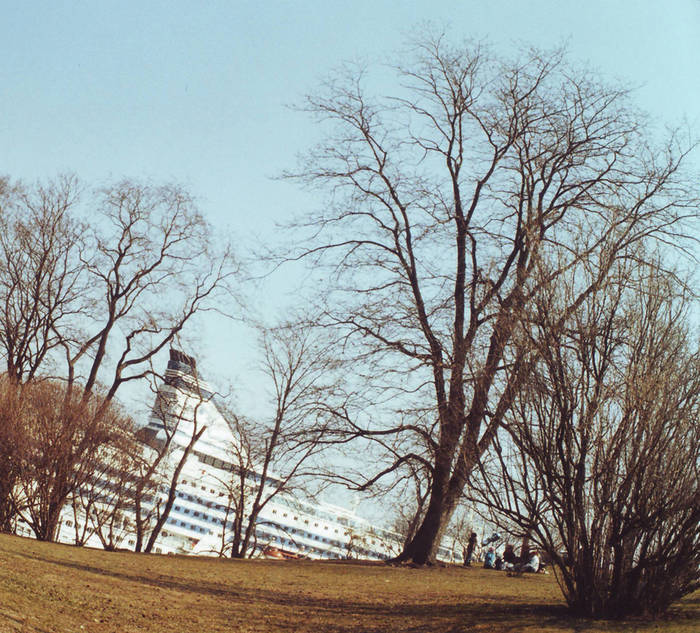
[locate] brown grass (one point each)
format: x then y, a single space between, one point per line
62 589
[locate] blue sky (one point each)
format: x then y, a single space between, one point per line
196 92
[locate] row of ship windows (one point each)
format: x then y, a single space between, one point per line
282 540
289 542
194 485
305 507
306 521
361 526
216 521
308 535
200 515
205 517
217 506
188 526
327 516
208 504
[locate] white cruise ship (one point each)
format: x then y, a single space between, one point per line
199 522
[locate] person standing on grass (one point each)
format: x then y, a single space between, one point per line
470 550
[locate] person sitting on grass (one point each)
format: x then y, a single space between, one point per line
490 559
532 565
510 560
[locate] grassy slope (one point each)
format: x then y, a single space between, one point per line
47 587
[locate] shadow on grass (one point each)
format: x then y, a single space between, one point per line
161 581
338 615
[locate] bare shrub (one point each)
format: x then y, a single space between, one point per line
63 438
599 459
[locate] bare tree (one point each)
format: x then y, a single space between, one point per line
182 455
40 272
599 465
271 457
445 198
154 265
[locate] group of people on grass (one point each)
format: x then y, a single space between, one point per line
528 561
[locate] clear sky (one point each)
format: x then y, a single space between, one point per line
196 92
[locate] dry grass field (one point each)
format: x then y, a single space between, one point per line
62 589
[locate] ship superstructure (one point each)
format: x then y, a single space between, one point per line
201 516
